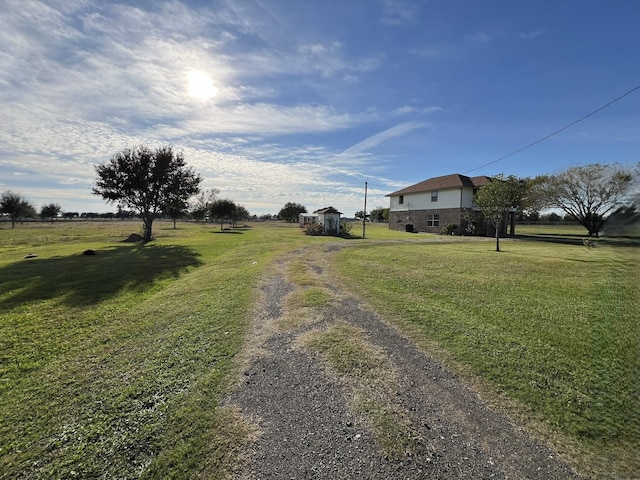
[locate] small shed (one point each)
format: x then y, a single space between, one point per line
307 219
329 218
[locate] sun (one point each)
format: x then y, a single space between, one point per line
201 85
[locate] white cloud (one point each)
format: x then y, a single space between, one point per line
406 110
84 79
530 35
478 37
375 140
427 52
399 12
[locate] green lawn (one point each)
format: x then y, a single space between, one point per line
570 230
113 365
555 327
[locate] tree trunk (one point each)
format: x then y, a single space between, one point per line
148 223
497 240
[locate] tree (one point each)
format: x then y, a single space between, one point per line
16 206
50 211
221 210
202 202
379 214
552 217
175 209
239 213
360 215
497 198
291 212
146 181
589 193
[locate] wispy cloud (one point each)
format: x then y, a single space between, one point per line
428 51
478 37
379 138
399 12
530 35
82 83
406 110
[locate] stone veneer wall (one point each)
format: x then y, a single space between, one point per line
418 218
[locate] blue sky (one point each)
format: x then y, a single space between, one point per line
297 100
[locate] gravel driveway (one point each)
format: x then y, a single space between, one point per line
305 412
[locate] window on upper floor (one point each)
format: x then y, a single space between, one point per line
401 199
434 196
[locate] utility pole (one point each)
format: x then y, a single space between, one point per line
364 213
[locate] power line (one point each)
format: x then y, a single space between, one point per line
557 131
377 194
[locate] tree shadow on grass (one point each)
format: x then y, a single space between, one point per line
570 239
573 239
80 280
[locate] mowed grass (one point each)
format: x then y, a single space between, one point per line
113 365
554 327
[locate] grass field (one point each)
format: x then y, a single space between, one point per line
554 326
113 365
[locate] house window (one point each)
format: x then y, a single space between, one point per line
434 196
401 200
433 220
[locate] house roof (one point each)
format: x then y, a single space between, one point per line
328 210
454 180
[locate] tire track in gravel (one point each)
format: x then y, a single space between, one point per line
309 413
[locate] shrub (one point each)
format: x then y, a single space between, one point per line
314 229
450 229
345 228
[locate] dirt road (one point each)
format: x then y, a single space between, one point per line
337 393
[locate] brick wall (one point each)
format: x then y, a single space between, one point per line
398 220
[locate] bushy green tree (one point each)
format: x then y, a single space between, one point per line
291 212
379 214
360 215
239 213
50 211
497 198
16 206
175 209
146 180
222 210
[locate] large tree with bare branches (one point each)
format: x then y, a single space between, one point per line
588 193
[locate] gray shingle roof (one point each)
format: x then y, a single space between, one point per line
328 210
454 180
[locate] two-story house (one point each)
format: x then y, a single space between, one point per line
431 204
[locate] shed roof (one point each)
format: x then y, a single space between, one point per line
328 210
454 180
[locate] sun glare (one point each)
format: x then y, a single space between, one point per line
201 85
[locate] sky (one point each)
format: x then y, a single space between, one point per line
276 101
